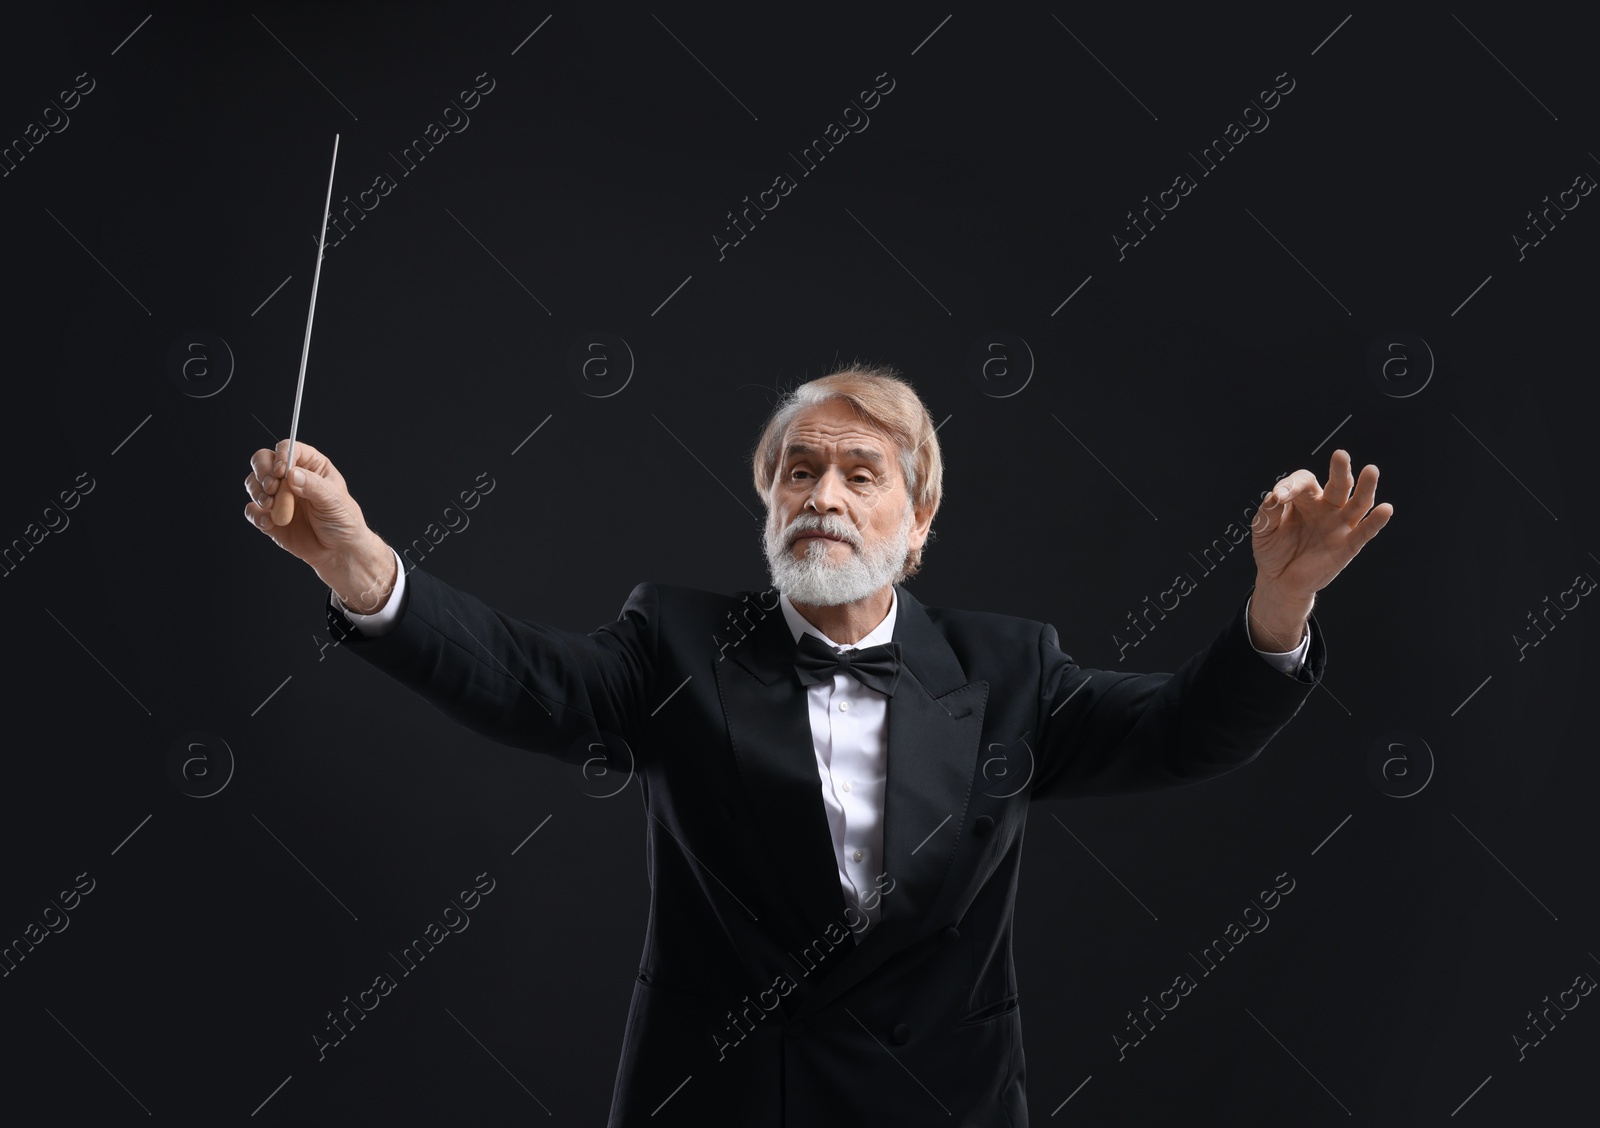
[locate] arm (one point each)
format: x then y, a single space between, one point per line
1104 732
522 684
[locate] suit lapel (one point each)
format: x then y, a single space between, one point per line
935 720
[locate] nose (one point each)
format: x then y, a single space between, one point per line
827 495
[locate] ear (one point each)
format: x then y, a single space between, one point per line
921 521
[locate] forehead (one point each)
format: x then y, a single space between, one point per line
833 426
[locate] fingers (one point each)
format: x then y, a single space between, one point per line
1366 491
1371 525
1340 480
267 467
1300 484
257 516
307 457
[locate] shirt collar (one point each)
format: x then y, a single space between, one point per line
883 632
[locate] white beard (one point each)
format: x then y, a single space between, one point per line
817 580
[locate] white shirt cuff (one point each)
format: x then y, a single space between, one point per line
381 620
1288 661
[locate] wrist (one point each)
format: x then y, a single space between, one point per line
363 577
1278 617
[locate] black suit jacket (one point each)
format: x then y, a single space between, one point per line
754 1004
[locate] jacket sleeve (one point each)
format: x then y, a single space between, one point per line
1104 732
523 684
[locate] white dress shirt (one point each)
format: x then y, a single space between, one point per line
849 734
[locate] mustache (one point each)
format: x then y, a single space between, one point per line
834 526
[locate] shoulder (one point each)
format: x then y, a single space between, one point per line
983 628
680 601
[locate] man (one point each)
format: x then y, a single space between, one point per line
837 776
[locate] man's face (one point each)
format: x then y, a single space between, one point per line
840 521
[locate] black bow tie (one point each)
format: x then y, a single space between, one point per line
876 667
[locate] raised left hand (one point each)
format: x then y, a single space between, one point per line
1304 534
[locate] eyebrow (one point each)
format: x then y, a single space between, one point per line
863 454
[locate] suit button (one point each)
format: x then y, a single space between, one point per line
644 977
797 1029
982 827
952 933
901 1034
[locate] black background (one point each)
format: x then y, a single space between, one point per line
1174 387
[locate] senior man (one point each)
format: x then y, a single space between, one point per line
837 776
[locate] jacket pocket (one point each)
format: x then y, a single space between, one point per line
991 1010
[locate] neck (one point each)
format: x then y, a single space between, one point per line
848 623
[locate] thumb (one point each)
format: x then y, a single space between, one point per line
316 490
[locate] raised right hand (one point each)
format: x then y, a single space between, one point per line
328 530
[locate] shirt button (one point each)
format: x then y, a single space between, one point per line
845 785
844 706
857 855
